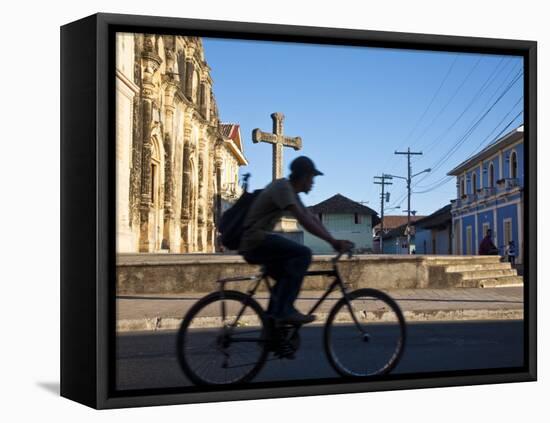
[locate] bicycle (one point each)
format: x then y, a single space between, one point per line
226 337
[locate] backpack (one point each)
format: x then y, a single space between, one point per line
231 226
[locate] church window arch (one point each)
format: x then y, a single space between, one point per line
155 172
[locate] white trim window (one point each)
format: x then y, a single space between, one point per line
486 227
507 231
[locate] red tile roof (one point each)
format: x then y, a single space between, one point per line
391 222
231 131
228 129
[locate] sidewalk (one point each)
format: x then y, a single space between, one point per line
161 312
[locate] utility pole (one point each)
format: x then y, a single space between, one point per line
409 177
383 182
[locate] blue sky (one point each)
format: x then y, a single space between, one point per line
354 106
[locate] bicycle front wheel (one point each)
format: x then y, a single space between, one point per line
365 334
222 339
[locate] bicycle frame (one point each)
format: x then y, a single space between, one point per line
263 276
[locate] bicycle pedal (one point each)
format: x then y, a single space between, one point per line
285 355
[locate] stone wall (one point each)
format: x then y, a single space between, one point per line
178 273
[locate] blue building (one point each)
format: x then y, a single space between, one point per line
434 232
490 196
395 240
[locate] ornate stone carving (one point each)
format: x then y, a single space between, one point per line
149 43
190 168
146 151
135 171
168 189
186 182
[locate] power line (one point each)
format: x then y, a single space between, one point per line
445 180
457 90
432 100
488 100
461 141
505 128
488 82
448 178
475 125
429 187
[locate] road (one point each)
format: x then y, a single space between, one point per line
147 359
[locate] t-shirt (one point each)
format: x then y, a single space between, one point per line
265 212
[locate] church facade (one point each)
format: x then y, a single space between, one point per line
176 163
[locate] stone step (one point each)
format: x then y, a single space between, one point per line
501 282
477 266
463 260
486 274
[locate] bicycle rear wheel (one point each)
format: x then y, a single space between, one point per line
366 336
222 339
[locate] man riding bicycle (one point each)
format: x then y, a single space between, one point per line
285 261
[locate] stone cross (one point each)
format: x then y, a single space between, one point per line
279 141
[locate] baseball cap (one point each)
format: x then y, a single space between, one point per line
304 166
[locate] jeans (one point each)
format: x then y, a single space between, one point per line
286 262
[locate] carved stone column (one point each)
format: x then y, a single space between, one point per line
169 137
218 193
151 63
145 197
137 141
189 72
210 198
201 215
186 188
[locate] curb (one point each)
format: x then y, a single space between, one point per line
172 323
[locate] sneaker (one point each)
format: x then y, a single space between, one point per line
296 318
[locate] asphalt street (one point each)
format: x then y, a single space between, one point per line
147 359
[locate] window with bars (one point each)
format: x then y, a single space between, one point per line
513 165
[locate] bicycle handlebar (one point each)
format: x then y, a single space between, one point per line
341 253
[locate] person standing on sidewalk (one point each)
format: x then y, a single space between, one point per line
511 252
285 261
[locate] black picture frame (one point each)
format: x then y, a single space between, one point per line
88 192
